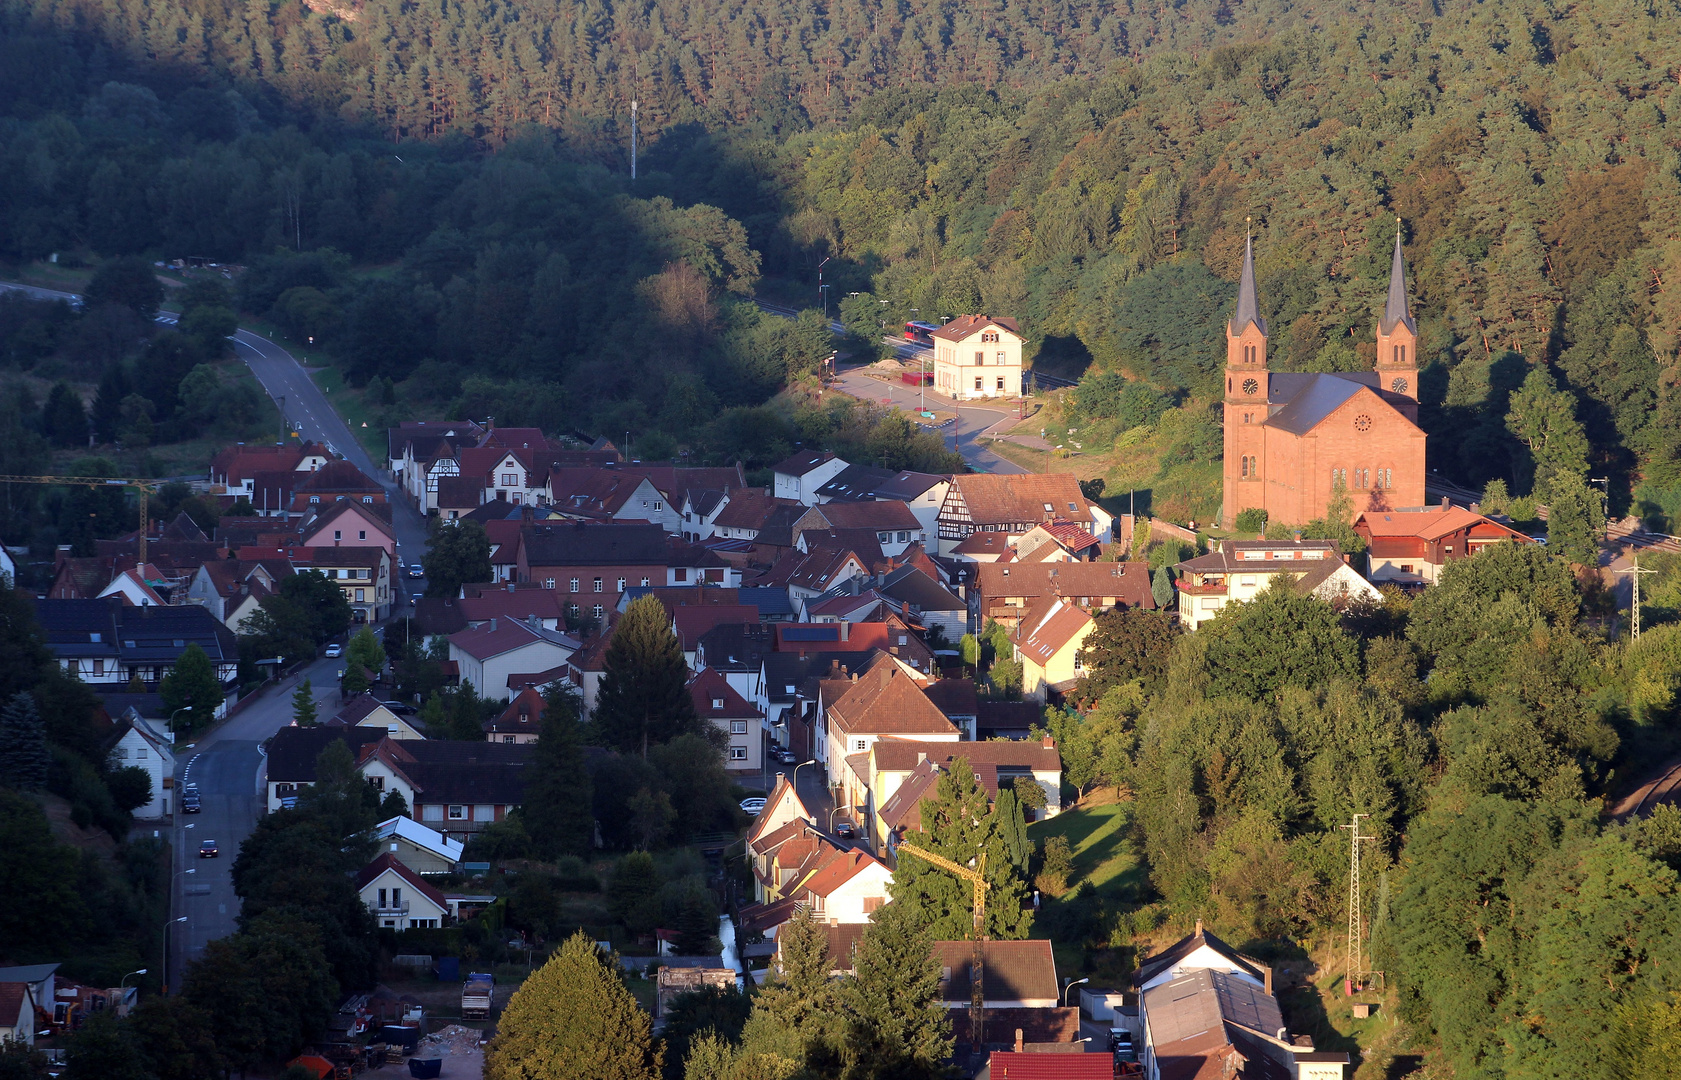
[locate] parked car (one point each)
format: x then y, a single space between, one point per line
753 807
1120 1041
784 755
401 708
190 801
207 849
416 571
335 650
844 830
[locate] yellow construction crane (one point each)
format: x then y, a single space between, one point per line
975 876
143 486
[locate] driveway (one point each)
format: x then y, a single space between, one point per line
973 421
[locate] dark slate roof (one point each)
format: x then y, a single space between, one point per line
855 482
772 603
907 486
293 750
908 585
143 635
1395 308
594 544
1248 309
468 772
70 626
149 706
1317 400
778 527
785 669
158 634
439 616
737 646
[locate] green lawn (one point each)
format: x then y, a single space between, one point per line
1106 857
1104 853
348 402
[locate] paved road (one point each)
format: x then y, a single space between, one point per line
227 765
306 408
972 420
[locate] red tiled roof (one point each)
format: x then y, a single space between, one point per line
512 604
388 861
1431 524
881 516
523 714
884 700
898 755
964 325
1049 626
1128 582
840 870
1009 1065
710 686
748 509
691 623
992 498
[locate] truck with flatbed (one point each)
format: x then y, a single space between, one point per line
477 992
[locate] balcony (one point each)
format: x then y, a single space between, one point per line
391 908
1212 588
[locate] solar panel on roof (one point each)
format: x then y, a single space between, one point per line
812 633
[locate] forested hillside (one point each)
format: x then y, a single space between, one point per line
1087 167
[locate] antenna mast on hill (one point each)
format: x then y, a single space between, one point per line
633 138
1355 977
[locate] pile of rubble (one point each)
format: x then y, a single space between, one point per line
453 1039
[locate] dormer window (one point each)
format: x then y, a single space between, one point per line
717 703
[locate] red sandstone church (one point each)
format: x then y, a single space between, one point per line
1291 437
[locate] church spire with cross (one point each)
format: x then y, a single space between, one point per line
1397 333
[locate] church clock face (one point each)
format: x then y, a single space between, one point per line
1399 386
1251 387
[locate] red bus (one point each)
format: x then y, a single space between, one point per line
919 332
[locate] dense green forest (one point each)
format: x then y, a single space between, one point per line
1090 168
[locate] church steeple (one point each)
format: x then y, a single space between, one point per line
1397 335
1395 309
1248 308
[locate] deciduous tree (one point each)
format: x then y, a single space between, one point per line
573 1018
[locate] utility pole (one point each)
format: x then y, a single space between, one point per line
1355 977
1634 572
633 140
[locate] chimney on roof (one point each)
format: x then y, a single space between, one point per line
1018 1041
493 630
1267 979
846 630
854 676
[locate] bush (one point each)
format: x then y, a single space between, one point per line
1055 868
1252 520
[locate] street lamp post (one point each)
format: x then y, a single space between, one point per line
1069 985
123 985
166 927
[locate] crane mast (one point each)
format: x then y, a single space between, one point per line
977 878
